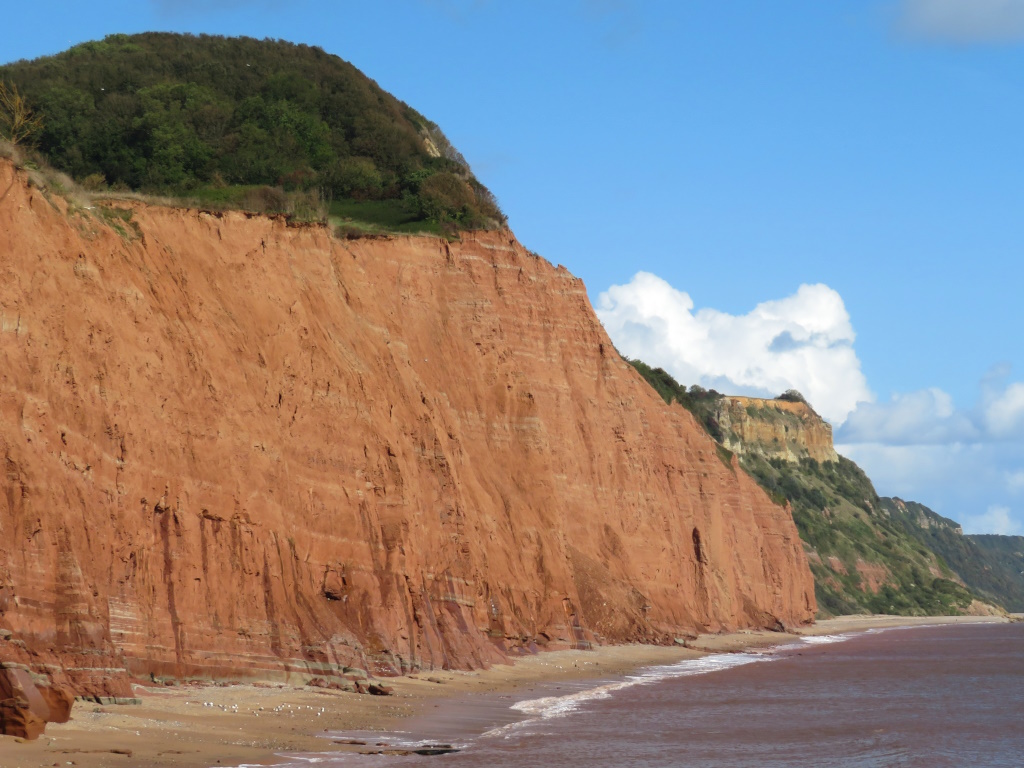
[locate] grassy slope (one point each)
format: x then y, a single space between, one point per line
1003 572
840 518
991 565
381 215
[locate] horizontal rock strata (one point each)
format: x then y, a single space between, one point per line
237 448
780 429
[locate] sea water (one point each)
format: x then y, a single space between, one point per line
941 696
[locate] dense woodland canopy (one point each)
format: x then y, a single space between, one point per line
208 116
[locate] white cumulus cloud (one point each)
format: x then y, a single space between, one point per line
1004 412
967 463
1015 481
926 473
996 519
963 481
926 417
965 21
803 342
929 417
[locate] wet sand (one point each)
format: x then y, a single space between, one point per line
193 726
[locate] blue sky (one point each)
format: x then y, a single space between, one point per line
819 195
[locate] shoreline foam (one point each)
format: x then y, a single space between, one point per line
249 724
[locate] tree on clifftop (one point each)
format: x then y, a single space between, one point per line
210 118
792 396
17 121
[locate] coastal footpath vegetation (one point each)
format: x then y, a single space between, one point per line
262 125
867 553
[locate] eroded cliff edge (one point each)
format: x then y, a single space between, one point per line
237 448
785 429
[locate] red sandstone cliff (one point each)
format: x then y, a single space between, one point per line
237 448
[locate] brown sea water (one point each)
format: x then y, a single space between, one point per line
934 696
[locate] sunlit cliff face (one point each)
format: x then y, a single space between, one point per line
235 446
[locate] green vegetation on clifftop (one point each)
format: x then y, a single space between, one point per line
246 123
992 566
697 400
863 561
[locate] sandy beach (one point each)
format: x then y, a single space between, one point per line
190 726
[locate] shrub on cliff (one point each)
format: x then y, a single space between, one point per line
18 123
178 114
841 519
792 396
699 401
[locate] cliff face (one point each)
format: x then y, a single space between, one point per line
867 554
1001 569
237 448
919 516
774 429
